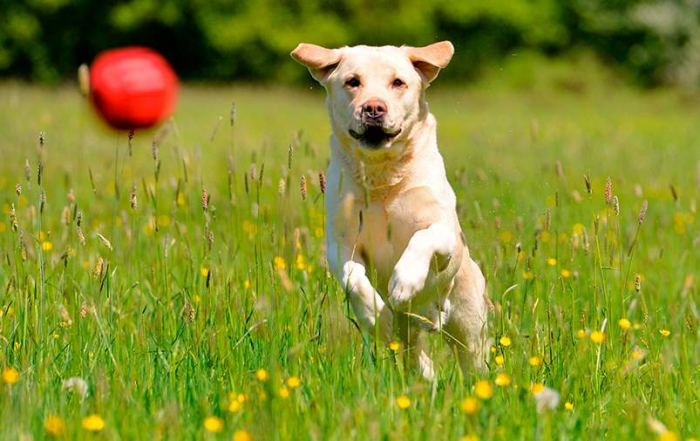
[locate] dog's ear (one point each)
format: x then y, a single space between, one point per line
428 60
319 60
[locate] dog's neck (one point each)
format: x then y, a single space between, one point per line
381 172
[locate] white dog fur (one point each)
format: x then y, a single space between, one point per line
391 211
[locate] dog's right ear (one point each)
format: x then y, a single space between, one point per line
319 60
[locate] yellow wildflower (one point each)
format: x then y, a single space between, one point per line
469 405
665 332
483 389
505 236
262 375
669 436
403 402
469 438
54 425
527 275
565 273
284 392
536 388
624 324
246 284
46 246
10 375
293 382
500 359
242 435
93 423
502 380
535 361
204 272
280 263
213 424
505 341
395 346
235 406
597 337
301 262
569 405
551 261
581 333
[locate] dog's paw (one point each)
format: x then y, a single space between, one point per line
408 279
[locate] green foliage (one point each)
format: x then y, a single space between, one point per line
250 40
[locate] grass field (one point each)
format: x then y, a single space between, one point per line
221 322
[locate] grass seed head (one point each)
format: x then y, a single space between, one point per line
303 187
589 188
154 150
205 199
132 197
322 182
608 190
65 216
13 218
97 273
642 212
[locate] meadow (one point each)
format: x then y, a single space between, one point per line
173 285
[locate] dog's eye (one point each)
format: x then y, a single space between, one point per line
398 83
353 82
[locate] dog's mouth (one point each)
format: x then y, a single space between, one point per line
374 136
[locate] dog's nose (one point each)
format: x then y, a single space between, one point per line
374 109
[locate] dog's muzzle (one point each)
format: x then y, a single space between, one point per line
374 135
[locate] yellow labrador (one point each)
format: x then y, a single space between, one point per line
391 210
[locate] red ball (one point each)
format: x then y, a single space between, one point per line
133 87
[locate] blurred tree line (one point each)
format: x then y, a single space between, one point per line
45 40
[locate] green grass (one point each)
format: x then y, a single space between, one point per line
161 345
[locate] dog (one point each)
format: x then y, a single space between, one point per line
393 237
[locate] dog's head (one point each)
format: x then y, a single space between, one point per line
375 94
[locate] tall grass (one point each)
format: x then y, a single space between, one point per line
177 288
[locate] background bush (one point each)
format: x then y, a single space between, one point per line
652 42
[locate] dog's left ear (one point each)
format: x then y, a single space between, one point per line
428 60
319 60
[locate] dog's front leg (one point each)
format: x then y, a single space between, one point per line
371 311
411 272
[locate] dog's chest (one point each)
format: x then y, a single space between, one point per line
380 230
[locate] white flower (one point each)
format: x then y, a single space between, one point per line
546 399
77 385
